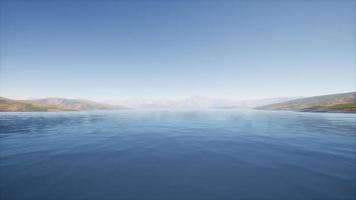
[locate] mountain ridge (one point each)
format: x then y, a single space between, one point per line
342 102
199 102
53 104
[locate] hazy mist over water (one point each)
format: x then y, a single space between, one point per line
187 154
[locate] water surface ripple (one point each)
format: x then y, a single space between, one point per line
206 154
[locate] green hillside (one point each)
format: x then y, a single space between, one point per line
345 102
52 105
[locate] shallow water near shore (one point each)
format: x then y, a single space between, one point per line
182 154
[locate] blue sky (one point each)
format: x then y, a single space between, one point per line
176 49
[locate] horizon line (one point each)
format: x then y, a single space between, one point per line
168 98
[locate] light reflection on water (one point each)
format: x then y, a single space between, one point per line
211 154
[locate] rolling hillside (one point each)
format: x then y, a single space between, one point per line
345 102
52 105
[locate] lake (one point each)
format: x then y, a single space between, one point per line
182 154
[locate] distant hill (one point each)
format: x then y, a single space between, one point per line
200 102
52 105
345 102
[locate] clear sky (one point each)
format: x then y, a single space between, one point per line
175 49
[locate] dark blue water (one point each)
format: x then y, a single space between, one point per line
177 155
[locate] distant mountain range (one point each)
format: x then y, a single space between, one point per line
345 102
61 104
198 102
52 105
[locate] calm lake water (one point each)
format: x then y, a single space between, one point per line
216 154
